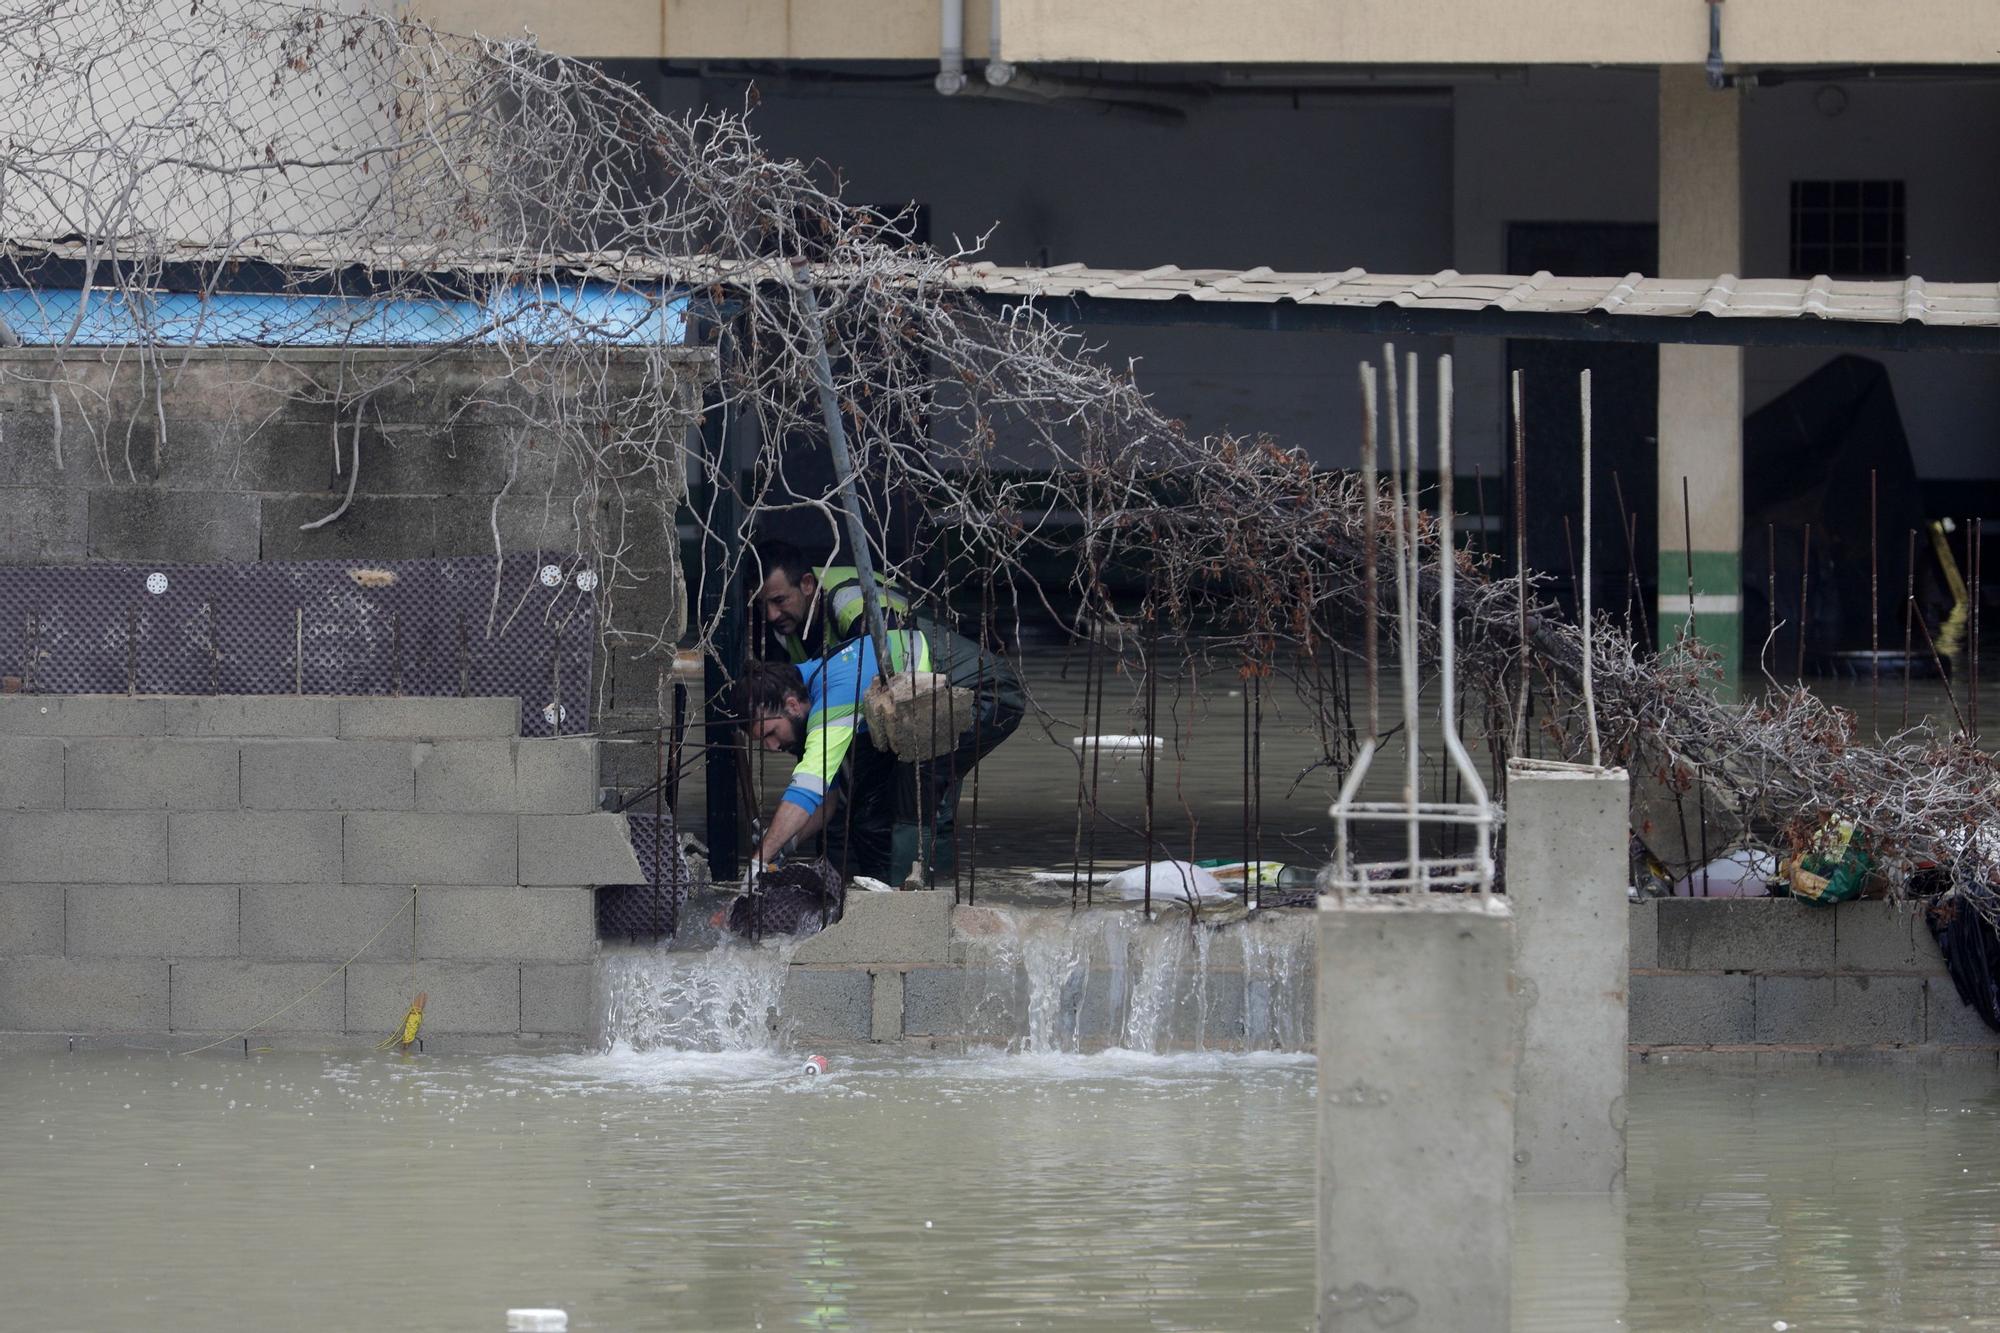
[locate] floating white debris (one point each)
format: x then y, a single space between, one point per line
537 1321
1169 881
1114 742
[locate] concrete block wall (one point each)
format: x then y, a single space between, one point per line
1728 976
180 868
1776 974
911 967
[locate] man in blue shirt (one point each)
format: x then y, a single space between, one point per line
899 813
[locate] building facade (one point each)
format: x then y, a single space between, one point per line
1765 138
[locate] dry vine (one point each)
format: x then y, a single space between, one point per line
376 165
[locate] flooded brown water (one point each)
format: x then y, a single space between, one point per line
674 1190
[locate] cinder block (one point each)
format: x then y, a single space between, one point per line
528 522
373 528
180 526
1643 937
81 715
1744 935
830 1004
1840 1011
151 773
881 928
1213 1019
225 994
886 1021
83 994
649 605
415 847
556 925
555 776
84 846
31 773
326 921
1950 1021
1093 1010
430 719
464 997
291 716
44 527
151 921
31 918
253 847
468 776
1880 937
329 775
1691 1010
578 849
28 440
556 998
934 1002
198 455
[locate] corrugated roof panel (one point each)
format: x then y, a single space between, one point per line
1621 296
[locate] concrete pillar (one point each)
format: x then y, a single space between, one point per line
1416 1112
1567 867
1701 388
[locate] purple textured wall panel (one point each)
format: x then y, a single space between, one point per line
416 627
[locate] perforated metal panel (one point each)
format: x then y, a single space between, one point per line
415 627
651 910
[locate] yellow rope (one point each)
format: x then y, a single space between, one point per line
223 1041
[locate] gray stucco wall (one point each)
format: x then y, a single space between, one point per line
177 869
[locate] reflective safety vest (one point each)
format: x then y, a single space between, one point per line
842 602
835 689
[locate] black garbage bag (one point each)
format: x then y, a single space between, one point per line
1962 920
798 898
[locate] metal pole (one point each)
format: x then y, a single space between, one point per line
1402 494
843 471
1909 612
720 551
1589 661
1874 613
1978 559
1521 559
1805 586
1150 754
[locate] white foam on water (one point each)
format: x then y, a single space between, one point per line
1111 1063
724 1000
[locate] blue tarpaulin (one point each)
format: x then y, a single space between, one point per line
533 313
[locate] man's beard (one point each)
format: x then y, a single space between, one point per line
795 738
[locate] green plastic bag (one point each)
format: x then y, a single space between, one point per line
1834 869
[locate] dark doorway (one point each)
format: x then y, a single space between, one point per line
1625 390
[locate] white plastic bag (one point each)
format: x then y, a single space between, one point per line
1172 881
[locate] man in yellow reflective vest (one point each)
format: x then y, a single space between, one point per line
896 814
815 607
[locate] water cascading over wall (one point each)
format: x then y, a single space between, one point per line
1029 980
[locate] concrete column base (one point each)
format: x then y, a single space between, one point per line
1567 832
1416 1112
